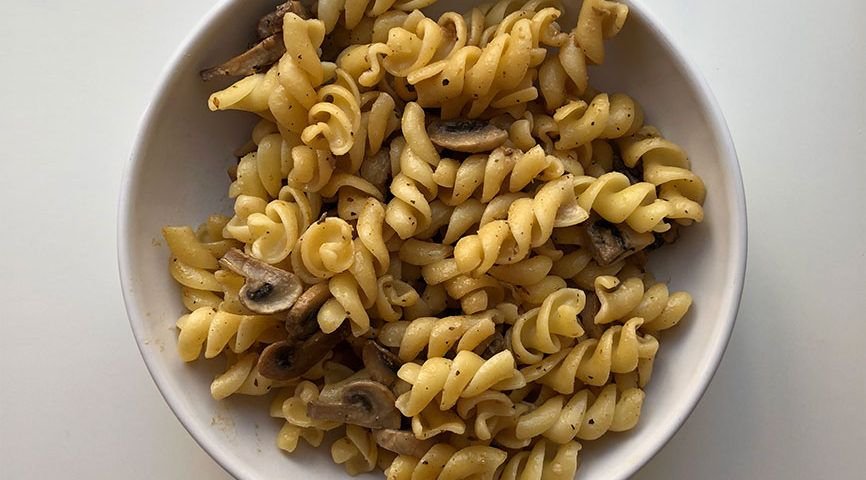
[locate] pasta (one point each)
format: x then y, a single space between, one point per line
436 262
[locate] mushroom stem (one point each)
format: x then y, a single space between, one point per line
381 363
402 442
258 58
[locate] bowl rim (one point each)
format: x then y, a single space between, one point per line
729 164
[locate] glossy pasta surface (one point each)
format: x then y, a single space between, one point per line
436 261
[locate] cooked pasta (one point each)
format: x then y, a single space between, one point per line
437 254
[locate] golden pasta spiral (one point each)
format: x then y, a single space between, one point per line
243 377
503 169
584 416
666 166
529 223
617 200
291 405
632 297
606 116
466 376
543 462
216 329
619 350
542 330
334 121
356 451
439 335
413 187
444 462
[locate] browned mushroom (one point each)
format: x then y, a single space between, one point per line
587 316
468 136
402 442
258 58
273 22
666 238
491 346
301 319
380 362
290 359
361 402
377 170
611 243
267 289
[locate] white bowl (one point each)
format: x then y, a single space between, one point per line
177 176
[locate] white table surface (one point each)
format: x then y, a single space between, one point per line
789 400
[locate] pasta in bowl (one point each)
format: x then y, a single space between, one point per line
432 252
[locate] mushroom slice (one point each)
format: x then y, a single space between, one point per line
402 442
267 289
491 346
362 402
301 319
273 22
377 170
468 136
380 362
258 58
287 360
611 243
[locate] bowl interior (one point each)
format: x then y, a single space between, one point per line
177 176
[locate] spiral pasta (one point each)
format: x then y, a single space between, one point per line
617 200
413 188
438 335
666 165
243 377
634 297
214 330
356 451
543 462
444 462
583 416
542 330
298 425
619 350
529 223
504 169
466 376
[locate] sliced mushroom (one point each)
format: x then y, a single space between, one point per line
468 136
491 346
666 238
611 243
287 359
301 319
377 170
380 362
273 22
362 402
402 442
258 58
587 316
267 289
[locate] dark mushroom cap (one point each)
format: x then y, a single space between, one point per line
402 442
301 320
362 402
290 359
267 289
380 362
611 243
468 136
